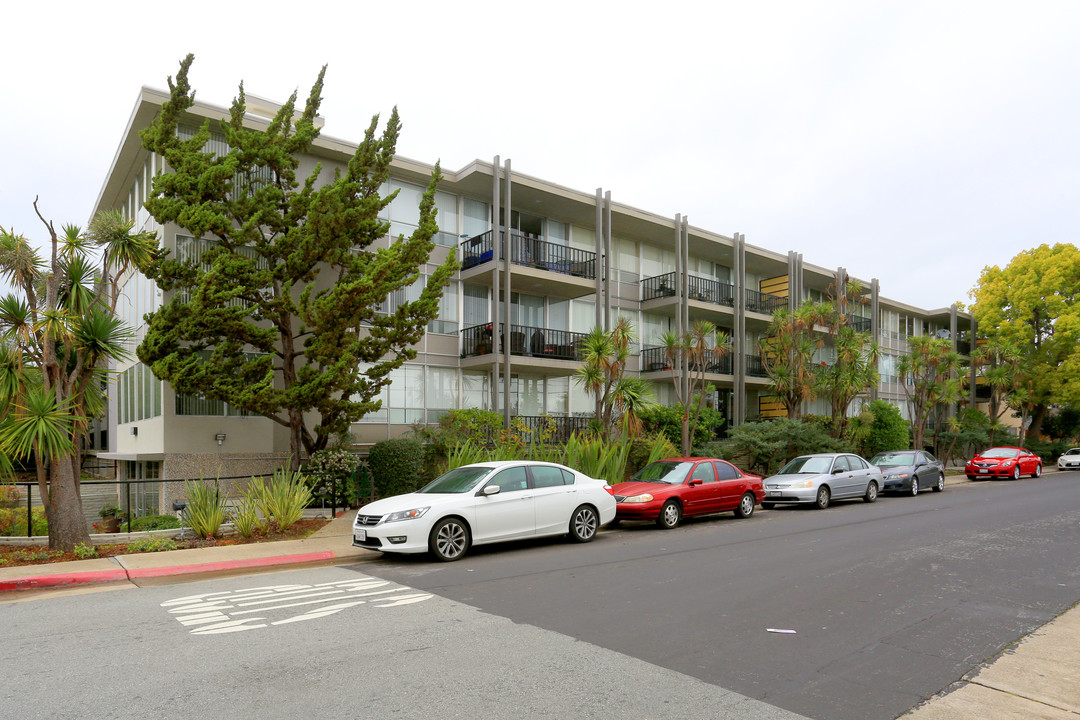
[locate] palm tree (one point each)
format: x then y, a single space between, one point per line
788 351
928 375
619 397
58 341
690 357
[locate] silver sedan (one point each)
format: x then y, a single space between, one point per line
822 478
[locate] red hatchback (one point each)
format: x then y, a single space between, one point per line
666 490
1004 462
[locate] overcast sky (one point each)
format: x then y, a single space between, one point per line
908 141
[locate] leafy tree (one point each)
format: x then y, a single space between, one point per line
855 367
763 447
788 352
998 364
886 429
668 420
929 376
619 395
697 351
1063 424
282 310
1033 304
56 343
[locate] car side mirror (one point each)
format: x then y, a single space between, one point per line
837 471
695 482
490 490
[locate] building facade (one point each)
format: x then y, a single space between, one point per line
541 265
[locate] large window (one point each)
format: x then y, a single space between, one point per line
139 396
476 219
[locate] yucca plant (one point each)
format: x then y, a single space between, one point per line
286 497
245 517
597 458
205 509
467 453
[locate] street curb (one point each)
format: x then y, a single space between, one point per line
122 574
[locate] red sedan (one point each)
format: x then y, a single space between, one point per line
666 490
1004 462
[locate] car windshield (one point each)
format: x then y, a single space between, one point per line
1000 453
893 459
807 466
458 480
664 471
1073 451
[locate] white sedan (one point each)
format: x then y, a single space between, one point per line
1070 460
486 503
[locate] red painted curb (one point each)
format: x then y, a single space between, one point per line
100 576
43 581
232 564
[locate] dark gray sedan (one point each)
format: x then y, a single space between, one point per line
909 471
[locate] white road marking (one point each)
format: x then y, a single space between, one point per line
216 613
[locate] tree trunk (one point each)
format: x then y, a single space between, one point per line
296 438
686 435
1037 415
63 507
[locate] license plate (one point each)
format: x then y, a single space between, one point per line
772 492
984 471
360 536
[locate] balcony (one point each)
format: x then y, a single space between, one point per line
655 359
755 367
525 341
858 324
530 252
700 289
764 303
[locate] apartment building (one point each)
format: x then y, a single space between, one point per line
541 265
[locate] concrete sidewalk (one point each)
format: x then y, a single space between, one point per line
331 544
1038 678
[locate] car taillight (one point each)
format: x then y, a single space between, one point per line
609 490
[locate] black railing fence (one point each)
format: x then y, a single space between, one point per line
656 358
764 302
524 340
529 251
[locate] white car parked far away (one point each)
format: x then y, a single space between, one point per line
486 503
1070 460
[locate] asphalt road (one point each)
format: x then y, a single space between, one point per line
891 602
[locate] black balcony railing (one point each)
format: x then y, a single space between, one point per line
524 340
530 251
858 324
755 367
554 428
764 302
702 289
658 287
711 291
656 358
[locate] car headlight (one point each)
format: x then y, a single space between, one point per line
645 497
406 514
803 484
896 476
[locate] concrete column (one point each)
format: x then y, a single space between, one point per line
607 261
972 341
496 254
875 323
599 259
684 307
738 342
506 298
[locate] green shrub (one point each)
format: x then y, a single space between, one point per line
37 556
647 449
764 447
153 544
153 522
888 430
597 458
714 449
245 516
13 521
396 466
84 551
668 419
1048 450
331 476
205 508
